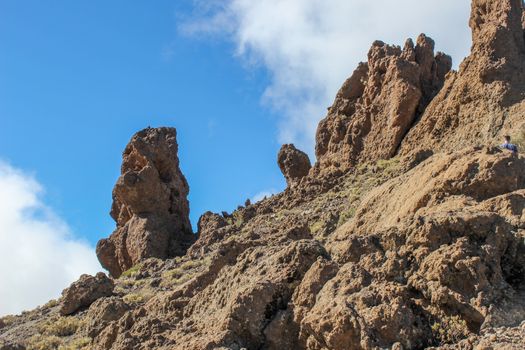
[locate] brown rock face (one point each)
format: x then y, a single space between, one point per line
438 242
102 312
84 292
422 251
378 104
294 164
485 99
150 204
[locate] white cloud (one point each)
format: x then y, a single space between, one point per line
310 47
38 255
263 194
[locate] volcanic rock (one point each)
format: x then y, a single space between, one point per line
406 234
294 164
84 292
436 244
150 204
484 100
379 103
102 312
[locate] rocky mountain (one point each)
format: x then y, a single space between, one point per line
408 232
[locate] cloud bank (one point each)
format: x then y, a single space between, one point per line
309 47
38 255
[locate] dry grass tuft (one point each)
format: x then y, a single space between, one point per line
60 327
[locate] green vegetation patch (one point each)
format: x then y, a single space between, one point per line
44 342
519 139
8 320
60 327
183 273
132 272
346 215
53 342
449 330
139 297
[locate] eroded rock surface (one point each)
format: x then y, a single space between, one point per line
84 292
294 164
379 103
484 100
102 312
364 251
150 204
440 247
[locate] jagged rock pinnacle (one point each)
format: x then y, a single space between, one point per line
378 104
150 204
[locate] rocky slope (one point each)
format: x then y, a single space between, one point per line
407 233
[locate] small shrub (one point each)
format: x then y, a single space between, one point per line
50 304
183 273
7 320
174 274
346 215
317 226
519 139
44 342
191 264
178 281
139 297
238 218
383 163
60 327
450 329
132 272
77 344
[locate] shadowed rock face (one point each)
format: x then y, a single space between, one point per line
150 204
294 164
378 104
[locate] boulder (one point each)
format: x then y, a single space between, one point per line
102 312
150 204
82 293
294 164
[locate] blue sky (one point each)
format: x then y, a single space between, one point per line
81 77
237 78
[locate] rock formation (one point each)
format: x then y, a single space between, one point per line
441 241
379 103
84 292
406 234
485 99
150 204
294 164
